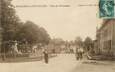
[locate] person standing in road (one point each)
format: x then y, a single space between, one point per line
79 53
45 56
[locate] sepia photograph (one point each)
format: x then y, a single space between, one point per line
57 36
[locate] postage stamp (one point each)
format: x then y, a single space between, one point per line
106 8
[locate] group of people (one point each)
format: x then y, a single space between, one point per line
79 53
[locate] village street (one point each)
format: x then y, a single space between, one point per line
61 63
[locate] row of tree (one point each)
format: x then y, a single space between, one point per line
87 44
13 29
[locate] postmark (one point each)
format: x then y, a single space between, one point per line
106 8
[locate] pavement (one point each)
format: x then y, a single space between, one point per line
61 63
95 66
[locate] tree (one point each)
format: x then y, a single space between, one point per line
88 43
9 22
43 36
33 34
78 41
58 41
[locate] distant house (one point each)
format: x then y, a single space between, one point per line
106 37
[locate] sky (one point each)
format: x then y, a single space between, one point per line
78 19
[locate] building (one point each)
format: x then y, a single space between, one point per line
106 37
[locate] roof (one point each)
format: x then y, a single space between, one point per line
105 22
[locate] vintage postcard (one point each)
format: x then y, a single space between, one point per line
57 36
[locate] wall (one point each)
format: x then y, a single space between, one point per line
106 38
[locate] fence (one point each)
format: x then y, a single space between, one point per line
25 57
